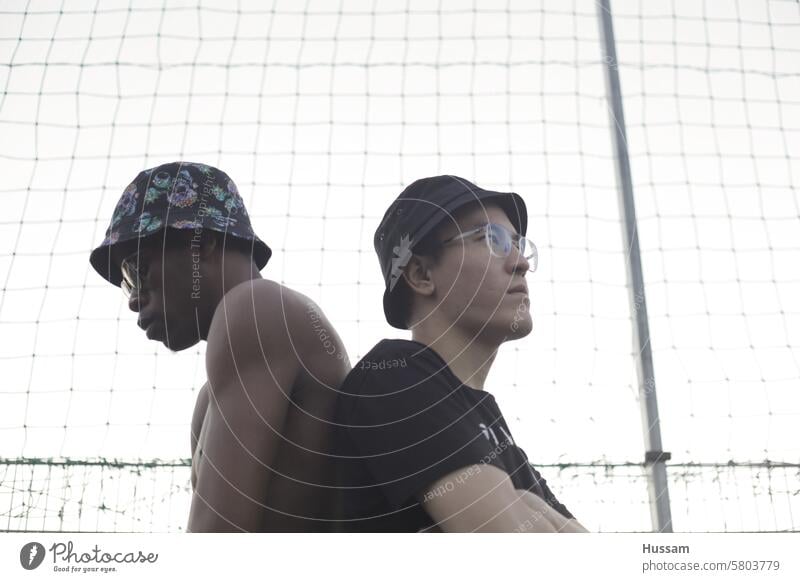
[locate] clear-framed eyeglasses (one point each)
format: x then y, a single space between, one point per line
500 241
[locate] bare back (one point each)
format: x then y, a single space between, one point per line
280 422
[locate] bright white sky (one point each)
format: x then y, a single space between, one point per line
322 112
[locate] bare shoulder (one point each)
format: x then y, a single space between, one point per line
253 299
263 321
267 308
254 311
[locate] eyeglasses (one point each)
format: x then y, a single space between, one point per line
133 271
500 241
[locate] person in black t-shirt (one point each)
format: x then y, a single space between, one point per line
421 445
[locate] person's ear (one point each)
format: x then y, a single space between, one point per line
418 276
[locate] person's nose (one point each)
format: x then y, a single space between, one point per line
517 261
135 301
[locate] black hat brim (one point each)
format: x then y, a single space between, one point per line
102 261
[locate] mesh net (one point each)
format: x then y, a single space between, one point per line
321 113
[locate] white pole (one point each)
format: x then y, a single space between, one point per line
655 457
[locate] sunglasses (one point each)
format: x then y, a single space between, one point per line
133 271
500 241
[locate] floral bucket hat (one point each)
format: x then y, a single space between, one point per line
180 195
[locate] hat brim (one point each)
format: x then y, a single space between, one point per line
511 202
108 269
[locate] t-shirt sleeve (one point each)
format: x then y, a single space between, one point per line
548 496
411 427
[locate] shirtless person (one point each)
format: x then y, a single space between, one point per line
181 246
425 447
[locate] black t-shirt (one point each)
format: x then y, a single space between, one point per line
405 421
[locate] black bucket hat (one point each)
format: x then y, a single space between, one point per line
419 209
181 195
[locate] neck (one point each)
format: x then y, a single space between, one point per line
469 358
234 271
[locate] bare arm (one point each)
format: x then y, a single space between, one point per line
251 370
200 408
201 405
560 523
486 501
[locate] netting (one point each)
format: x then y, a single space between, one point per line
322 112
711 96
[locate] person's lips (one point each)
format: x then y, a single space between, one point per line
521 288
150 325
153 330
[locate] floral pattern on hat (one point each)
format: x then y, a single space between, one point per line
147 223
181 195
219 219
186 224
126 205
110 239
162 180
152 195
180 190
230 199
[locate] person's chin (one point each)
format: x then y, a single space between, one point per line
518 325
521 329
176 343
504 328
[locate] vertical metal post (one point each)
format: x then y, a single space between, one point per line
655 457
